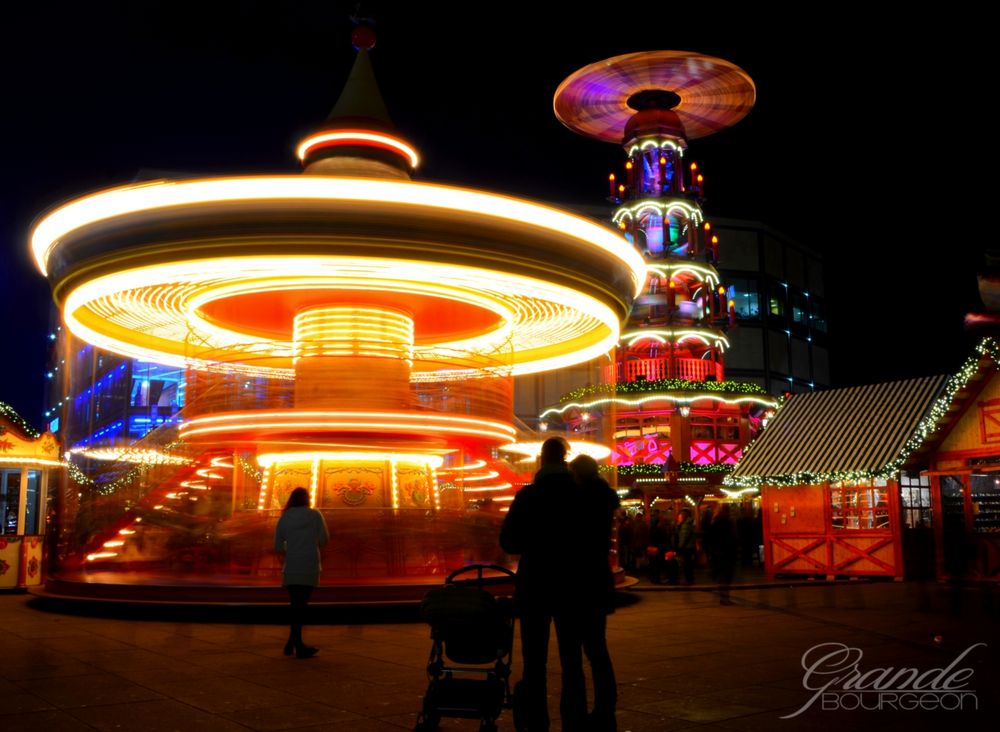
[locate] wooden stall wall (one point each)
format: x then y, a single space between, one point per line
799 537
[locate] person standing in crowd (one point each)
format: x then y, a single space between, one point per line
599 503
625 556
722 532
555 581
300 532
660 540
745 537
685 544
640 540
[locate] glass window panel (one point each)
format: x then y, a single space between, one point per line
859 508
10 500
986 503
817 314
776 300
31 503
800 307
746 299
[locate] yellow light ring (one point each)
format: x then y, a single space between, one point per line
533 227
473 465
103 555
271 274
31 461
266 460
128 455
676 335
489 488
236 425
661 207
151 312
676 145
356 137
339 330
678 397
669 270
576 447
490 475
208 474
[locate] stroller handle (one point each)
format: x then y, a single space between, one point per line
478 569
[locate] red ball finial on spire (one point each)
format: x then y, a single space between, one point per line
363 37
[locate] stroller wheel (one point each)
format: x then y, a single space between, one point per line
487 725
427 724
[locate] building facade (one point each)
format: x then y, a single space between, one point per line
776 285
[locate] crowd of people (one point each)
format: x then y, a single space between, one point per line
671 544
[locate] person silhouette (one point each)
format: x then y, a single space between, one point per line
299 534
598 503
563 577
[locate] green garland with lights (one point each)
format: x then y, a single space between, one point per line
20 422
988 347
710 468
104 489
113 486
642 386
250 469
640 469
655 469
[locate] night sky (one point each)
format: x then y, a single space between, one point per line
866 143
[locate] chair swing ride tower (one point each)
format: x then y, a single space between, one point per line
664 397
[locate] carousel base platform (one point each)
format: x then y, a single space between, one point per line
148 589
156 591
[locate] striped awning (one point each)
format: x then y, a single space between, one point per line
821 435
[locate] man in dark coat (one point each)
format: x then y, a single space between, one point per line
685 544
598 504
549 525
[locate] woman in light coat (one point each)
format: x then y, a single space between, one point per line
300 532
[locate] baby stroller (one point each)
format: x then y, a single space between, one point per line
474 630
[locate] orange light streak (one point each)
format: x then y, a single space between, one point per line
337 420
485 476
163 194
357 137
101 555
474 465
489 488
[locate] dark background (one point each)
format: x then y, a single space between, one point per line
870 141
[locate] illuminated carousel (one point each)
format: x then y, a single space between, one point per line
677 423
346 330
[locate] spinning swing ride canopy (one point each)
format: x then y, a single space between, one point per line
706 93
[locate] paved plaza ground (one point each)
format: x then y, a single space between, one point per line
684 661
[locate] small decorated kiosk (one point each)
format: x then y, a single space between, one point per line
964 475
27 461
829 468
